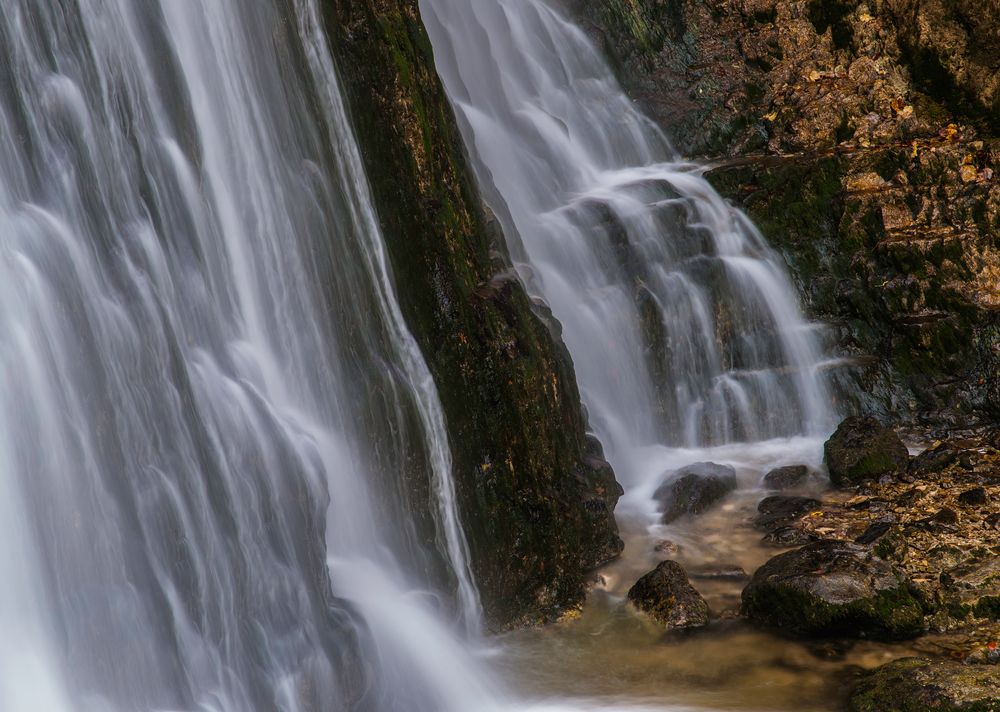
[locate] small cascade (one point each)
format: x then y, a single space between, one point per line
682 322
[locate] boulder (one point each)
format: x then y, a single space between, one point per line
918 685
833 588
788 477
863 449
666 596
781 510
694 489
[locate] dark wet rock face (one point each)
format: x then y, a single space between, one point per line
863 449
536 494
666 595
694 489
917 685
836 589
781 510
788 477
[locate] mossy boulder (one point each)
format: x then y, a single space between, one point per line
694 489
836 589
666 596
919 685
863 449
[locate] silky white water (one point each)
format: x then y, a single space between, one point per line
683 325
211 405
684 328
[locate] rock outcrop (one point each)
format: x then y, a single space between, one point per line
666 595
864 449
917 685
861 137
833 588
536 494
694 489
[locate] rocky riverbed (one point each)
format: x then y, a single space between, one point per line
880 594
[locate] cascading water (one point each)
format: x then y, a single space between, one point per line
682 324
685 333
211 406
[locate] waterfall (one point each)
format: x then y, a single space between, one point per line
218 435
683 325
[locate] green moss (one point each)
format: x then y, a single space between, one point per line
889 615
915 685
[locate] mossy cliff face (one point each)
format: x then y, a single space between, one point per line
536 495
861 137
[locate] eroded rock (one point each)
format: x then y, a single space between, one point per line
781 510
788 477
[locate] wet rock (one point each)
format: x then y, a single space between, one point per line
535 494
863 449
934 459
781 510
666 596
946 515
887 541
787 537
973 497
788 477
694 489
918 685
721 573
833 588
873 533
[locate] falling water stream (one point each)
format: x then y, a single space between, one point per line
211 405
